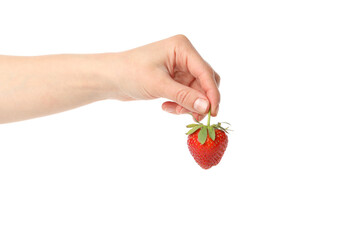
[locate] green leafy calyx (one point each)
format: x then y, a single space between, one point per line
206 129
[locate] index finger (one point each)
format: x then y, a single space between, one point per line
206 76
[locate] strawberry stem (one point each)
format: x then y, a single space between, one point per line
208 122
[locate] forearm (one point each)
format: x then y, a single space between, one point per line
37 86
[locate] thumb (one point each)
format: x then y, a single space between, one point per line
185 96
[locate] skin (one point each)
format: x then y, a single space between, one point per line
37 86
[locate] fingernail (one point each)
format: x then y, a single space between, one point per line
201 105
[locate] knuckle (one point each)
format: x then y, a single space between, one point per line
181 96
181 39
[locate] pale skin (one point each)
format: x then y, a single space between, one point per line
37 86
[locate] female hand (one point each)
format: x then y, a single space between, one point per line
170 69
37 86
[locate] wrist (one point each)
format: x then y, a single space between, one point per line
102 70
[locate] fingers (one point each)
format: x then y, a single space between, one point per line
187 97
196 96
202 71
210 85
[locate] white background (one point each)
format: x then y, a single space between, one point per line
115 170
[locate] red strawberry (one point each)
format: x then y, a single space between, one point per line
207 143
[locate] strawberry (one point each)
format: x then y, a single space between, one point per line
207 143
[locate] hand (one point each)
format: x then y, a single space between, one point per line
171 69
42 85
